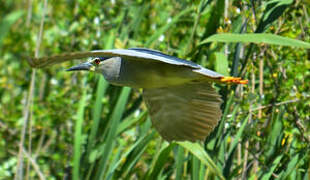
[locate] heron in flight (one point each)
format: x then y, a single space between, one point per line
178 93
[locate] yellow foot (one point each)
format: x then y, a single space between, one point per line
235 80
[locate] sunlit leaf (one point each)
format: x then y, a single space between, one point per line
271 39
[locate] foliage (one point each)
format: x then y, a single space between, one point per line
81 127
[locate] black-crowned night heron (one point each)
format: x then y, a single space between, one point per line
182 103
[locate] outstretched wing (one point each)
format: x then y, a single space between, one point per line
132 54
172 58
184 112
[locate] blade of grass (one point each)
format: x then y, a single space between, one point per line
161 160
116 157
271 39
199 152
124 156
232 148
221 154
275 163
292 165
221 63
128 122
101 89
216 15
238 136
195 168
179 162
202 171
238 50
146 126
226 120
273 11
163 29
188 48
7 22
135 156
78 134
115 119
102 86
139 14
276 133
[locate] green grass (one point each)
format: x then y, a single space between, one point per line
84 128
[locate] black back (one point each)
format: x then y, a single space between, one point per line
158 53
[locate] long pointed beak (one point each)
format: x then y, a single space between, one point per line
87 66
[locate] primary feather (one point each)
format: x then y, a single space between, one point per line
184 112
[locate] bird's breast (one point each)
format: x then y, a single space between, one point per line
152 74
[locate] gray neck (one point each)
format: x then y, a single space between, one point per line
110 69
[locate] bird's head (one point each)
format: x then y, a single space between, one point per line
109 67
95 64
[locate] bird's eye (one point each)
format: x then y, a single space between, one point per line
97 61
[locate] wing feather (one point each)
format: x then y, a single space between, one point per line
185 112
125 53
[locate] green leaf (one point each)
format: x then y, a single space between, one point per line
129 121
257 38
273 10
214 20
196 168
221 63
198 151
292 165
136 154
125 155
238 135
179 161
101 88
78 134
7 22
161 160
115 119
163 29
275 163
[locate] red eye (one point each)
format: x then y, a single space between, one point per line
97 61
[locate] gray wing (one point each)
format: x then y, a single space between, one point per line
208 73
172 58
125 53
184 112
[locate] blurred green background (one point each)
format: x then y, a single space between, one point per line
77 126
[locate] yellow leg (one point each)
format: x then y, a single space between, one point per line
235 80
